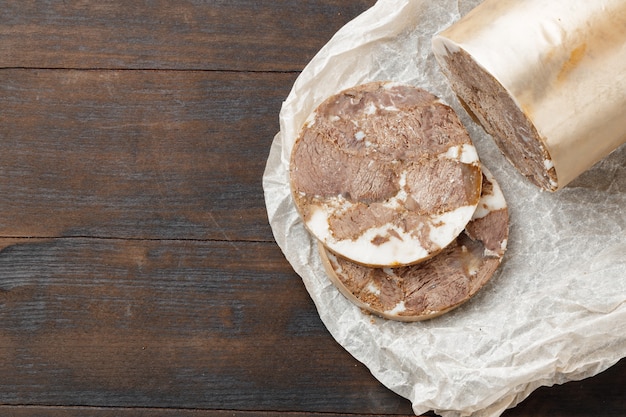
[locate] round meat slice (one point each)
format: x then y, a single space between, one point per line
429 289
385 174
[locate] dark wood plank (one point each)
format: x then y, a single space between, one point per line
25 411
136 154
193 325
242 35
170 324
602 395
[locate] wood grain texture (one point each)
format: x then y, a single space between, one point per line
242 35
136 154
170 324
51 411
601 395
138 274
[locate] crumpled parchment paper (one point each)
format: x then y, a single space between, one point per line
556 309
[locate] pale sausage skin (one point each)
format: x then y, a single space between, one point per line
385 174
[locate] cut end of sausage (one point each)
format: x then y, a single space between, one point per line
491 105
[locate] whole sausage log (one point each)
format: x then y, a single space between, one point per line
546 78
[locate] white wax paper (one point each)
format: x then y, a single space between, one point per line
556 309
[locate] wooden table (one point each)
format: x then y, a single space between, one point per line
138 272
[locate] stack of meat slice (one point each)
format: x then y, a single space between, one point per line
386 178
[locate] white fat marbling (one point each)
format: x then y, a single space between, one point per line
373 289
465 153
401 247
397 309
447 226
490 202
